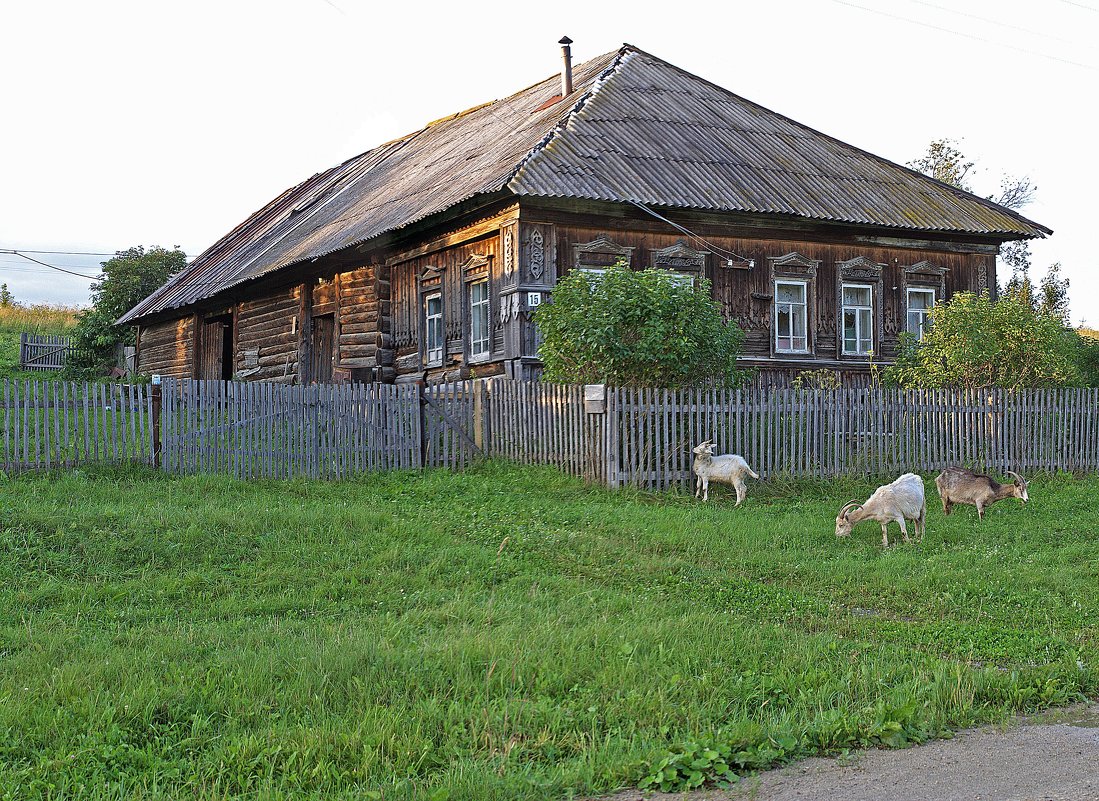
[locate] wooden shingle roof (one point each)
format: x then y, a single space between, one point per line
635 129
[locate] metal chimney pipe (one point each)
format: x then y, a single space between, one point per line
566 73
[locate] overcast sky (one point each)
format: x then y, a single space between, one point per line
167 123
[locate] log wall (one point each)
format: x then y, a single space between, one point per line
267 337
167 348
747 295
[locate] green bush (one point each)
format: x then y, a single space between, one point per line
636 328
974 342
127 279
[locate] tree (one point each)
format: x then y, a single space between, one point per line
639 329
127 278
7 299
975 343
944 162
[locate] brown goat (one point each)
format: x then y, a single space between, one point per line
958 485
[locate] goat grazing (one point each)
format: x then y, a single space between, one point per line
958 485
726 469
902 500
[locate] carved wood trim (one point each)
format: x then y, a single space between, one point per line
861 270
601 252
679 257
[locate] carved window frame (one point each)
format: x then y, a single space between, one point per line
476 271
602 245
681 261
429 284
927 276
861 271
793 267
873 308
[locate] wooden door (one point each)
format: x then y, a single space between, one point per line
324 348
212 350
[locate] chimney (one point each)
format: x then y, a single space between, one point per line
566 73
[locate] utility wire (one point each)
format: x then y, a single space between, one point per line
911 21
1007 25
1081 5
52 267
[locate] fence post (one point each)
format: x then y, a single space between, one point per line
479 414
421 405
156 402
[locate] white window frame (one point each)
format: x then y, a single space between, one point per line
433 356
922 314
480 347
860 335
681 279
804 316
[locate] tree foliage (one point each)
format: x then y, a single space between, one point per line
641 329
944 162
127 278
974 343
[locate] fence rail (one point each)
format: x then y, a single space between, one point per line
62 424
43 351
262 430
636 437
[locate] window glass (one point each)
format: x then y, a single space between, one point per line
920 302
478 319
433 328
858 319
790 316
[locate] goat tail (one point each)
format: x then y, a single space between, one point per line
752 473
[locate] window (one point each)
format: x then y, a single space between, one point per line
790 317
920 302
858 319
680 279
479 328
433 329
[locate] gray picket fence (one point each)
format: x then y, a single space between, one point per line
821 433
50 424
43 351
616 437
264 430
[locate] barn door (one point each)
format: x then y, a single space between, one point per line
324 348
216 349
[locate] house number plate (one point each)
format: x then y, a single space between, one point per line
534 299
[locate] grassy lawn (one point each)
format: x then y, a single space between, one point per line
15 320
506 633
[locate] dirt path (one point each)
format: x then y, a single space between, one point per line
1051 758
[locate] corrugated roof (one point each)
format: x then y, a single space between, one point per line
635 129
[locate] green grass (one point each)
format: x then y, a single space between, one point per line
506 633
42 319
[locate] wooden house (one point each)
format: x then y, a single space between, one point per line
426 257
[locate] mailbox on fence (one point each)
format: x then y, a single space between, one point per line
595 398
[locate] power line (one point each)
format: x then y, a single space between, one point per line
61 252
1081 5
971 36
1008 25
52 267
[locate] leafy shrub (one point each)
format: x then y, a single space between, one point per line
128 278
974 342
636 328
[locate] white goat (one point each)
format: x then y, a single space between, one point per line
902 500
726 469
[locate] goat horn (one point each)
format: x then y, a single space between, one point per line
848 505
1018 477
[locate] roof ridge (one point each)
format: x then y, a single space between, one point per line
847 145
563 123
